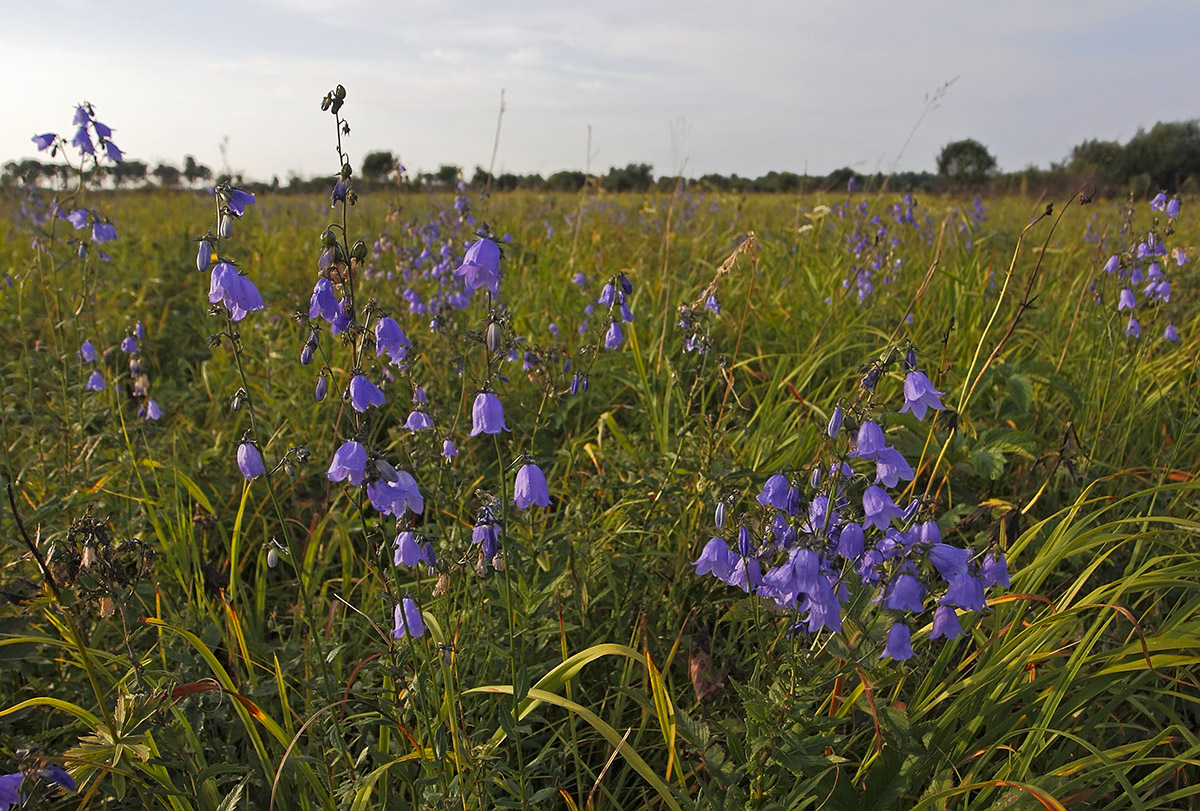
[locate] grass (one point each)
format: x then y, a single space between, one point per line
184 671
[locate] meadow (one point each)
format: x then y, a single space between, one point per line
453 500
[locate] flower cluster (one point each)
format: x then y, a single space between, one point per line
86 126
876 241
814 539
1142 270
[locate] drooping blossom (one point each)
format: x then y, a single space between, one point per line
408 620
249 461
349 462
487 414
364 394
920 395
481 266
530 488
236 291
899 643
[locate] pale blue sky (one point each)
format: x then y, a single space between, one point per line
778 84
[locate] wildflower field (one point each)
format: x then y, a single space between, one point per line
840 500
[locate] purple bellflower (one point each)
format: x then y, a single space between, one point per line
393 498
410 552
487 414
10 790
408 620
364 394
249 461
530 488
95 382
945 624
350 462
45 141
87 352
236 291
324 302
716 558
899 643
391 339
879 508
481 266
920 395
418 420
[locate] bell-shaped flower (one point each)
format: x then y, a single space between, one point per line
411 552
905 594
870 442
530 488
613 338
878 508
487 414
393 498
418 420
236 291
966 591
950 561
391 339
87 352
945 624
10 790
487 536
775 492
1126 301
481 266
899 643
919 395
349 462
237 200
850 541
95 382
448 449
715 558
364 394
408 620
994 570
45 141
249 461
324 302
891 467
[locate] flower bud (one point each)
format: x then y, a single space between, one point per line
272 558
494 336
203 256
359 251
322 387
835 422
226 228
386 470
719 516
306 353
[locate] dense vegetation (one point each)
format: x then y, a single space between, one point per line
212 601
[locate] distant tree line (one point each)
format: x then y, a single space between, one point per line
1165 157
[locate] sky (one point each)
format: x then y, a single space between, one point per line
698 86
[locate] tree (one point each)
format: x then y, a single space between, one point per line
634 177
129 171
168 175
193 171
447 176
566 181
966 161
377 166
